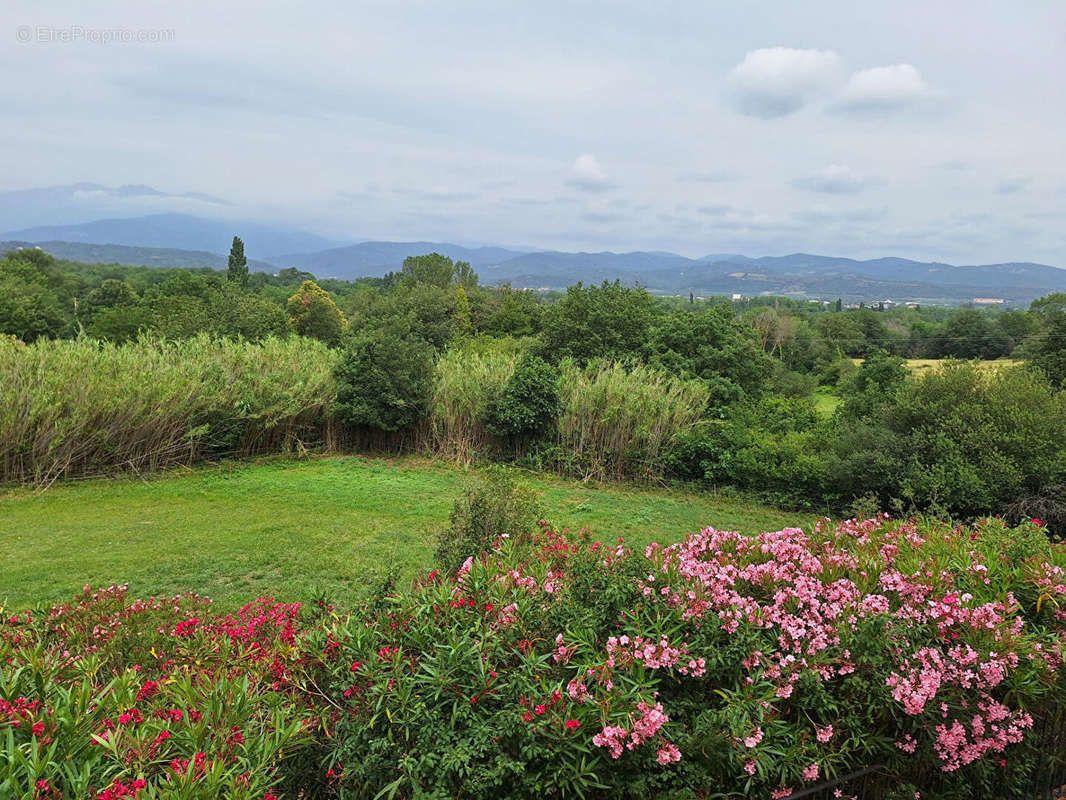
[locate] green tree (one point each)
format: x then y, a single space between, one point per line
712 344
433 269
313 313
528 403
461 319
610 321
383 379
30 308
237 273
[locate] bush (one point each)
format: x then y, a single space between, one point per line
109 697
528 404
560 665
494 507
551 664
383 380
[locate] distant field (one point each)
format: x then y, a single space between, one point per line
292 528
919 365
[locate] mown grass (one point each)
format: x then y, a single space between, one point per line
295 528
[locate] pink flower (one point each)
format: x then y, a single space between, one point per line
810 772
668 754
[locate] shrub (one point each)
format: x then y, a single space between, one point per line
556 664
551 664
494 507
383 380
528 403
108 697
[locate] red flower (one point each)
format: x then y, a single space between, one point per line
539 709
1038 522
526 717
37 729
571 724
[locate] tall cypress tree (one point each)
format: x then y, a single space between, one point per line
238 264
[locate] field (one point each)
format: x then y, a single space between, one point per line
920 365
293 528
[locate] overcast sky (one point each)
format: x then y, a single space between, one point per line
933 129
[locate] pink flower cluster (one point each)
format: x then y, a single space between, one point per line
641 728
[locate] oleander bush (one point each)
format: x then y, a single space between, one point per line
754 665
108 697
551 664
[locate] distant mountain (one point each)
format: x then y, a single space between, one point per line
136 256
180 231
377 258
184 240
81 202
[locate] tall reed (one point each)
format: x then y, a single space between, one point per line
465 382
82 407
617 420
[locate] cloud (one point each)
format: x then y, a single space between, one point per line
587 175
1013 185
883 90
835 179
955 165
777 81
715 209
707 176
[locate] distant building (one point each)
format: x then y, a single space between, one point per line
987 301
738 296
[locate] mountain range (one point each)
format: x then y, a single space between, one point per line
185 240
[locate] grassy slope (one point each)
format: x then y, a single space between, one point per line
291 528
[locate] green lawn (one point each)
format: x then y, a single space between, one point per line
291 528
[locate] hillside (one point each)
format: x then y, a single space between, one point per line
134 256
181 240
178 231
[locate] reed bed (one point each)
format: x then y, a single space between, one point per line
616 420
76 408
464 384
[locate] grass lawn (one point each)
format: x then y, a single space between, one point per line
293 528
825 402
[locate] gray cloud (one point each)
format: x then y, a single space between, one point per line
835 179
1013 185
708 176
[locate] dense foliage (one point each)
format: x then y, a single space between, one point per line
551 664
604 381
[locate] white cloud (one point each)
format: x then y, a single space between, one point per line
587 174
835 179
882 90
777 81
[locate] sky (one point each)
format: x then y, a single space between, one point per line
931 130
